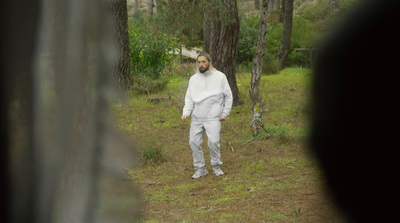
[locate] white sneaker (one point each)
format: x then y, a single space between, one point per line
199 173
217 171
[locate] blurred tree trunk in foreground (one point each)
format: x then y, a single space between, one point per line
256 121
68 161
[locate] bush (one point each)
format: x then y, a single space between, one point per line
146 85
248 37
150 53
152 153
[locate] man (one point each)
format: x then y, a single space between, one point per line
209 100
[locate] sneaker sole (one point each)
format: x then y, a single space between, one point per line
200 176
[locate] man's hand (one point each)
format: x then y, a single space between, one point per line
184 117
222 118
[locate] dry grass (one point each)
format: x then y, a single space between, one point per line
266 180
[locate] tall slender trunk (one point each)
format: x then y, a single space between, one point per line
122 68
256 123
150 7
335 6
284 48
136 5
257 4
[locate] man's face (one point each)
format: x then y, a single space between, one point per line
203 64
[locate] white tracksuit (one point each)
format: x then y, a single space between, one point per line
207 98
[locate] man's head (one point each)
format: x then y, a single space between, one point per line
204 62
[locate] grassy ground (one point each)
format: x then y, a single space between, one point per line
266 180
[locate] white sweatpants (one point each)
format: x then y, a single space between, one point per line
212 129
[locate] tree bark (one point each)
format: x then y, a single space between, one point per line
158 6
150 7
136 5
257 4
282 16
335 6
221 40
122 68
65 48
256 123
284 48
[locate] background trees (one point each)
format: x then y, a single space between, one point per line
229 30
122 68
258 103
284 48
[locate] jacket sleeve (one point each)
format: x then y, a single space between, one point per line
228 97
189 104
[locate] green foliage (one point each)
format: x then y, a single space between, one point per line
309 21
315 12
248 37
150 51
304 35
145 84
182 19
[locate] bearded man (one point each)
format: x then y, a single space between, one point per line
209 100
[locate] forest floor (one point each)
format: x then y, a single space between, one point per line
266 180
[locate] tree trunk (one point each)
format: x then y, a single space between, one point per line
122 68
256 123
282 16
335 6
158 6
221 41
284 49
56 171
273 5
150 7
257 4
136 5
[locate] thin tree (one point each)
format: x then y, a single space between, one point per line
158 6
150 7
258 103
122 68
335 6
136 5
284 48
282 16
257 4
221 37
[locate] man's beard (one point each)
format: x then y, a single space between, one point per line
203 70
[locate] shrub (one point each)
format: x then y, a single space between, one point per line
152 153
248 37
150 53
144 84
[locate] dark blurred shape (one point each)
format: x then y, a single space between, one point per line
18 24
354 131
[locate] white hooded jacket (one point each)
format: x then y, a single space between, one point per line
208 96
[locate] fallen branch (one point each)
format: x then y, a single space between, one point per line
280 160
229 143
